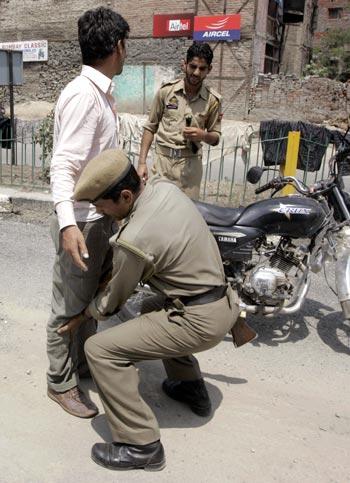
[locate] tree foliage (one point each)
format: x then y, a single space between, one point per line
44 135
332 58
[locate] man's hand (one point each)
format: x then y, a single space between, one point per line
72 325
73 243
194 134
142 171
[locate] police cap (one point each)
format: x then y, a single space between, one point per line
101 174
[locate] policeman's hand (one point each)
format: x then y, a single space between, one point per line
142 171
73 243
72 325
194 134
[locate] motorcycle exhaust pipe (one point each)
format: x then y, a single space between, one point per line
342 281
271 311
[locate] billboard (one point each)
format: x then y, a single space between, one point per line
217 28
173 25
17 68
33 50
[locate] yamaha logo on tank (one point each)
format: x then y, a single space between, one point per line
216 28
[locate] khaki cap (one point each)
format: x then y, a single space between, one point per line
101 174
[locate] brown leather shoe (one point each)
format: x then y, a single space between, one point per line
74 401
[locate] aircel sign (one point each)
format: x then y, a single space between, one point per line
216 28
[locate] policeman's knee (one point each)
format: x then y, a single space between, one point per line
91 348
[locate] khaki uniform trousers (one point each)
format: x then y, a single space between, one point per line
72 291
171 334
185 172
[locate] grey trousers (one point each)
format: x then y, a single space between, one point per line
72 290
171 335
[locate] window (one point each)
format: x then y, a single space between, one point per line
335 13
272 9
271 59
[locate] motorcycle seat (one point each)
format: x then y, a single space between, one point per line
218 215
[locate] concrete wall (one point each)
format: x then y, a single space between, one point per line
55 20
260 37
298 43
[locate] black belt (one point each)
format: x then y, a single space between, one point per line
208 297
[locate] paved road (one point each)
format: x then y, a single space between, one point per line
281 404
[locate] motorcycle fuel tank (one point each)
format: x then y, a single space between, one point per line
294 216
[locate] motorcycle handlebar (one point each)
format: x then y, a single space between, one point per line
279 182
265 187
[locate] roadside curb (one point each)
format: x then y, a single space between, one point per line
13 200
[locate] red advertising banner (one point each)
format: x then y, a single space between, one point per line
217 27
173 25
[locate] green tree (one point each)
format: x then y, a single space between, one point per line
44 135
332 58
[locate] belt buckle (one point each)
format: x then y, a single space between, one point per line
175 153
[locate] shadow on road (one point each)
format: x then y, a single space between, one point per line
223 378
329 324
169 413
335 332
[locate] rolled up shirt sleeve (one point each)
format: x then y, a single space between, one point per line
78 119
213 123
128 270
156 113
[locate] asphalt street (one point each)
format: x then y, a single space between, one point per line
281 404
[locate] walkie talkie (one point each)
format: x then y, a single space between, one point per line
194 147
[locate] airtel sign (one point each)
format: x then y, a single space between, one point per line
173 25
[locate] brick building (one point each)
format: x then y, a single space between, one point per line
150 61
283 36
332 14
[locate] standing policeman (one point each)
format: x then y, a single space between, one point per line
167 243
184 114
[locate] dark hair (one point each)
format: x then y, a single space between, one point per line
131 182
99 31
203 51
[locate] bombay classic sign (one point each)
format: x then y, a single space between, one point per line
33 50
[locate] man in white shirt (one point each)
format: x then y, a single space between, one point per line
85 125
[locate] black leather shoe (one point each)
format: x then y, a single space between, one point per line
120 456
193 393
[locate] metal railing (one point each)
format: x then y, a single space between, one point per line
22 162
224 166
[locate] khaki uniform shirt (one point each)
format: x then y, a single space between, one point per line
165 242
170 108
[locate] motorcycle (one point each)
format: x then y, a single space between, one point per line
270 247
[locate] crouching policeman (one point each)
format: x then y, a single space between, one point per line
166 243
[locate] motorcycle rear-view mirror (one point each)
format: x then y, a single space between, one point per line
254 174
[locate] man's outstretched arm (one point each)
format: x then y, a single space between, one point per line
128 270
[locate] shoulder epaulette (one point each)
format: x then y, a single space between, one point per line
169 83
215 93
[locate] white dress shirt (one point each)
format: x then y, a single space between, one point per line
85 125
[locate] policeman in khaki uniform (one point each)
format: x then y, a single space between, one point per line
166 243
184 114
